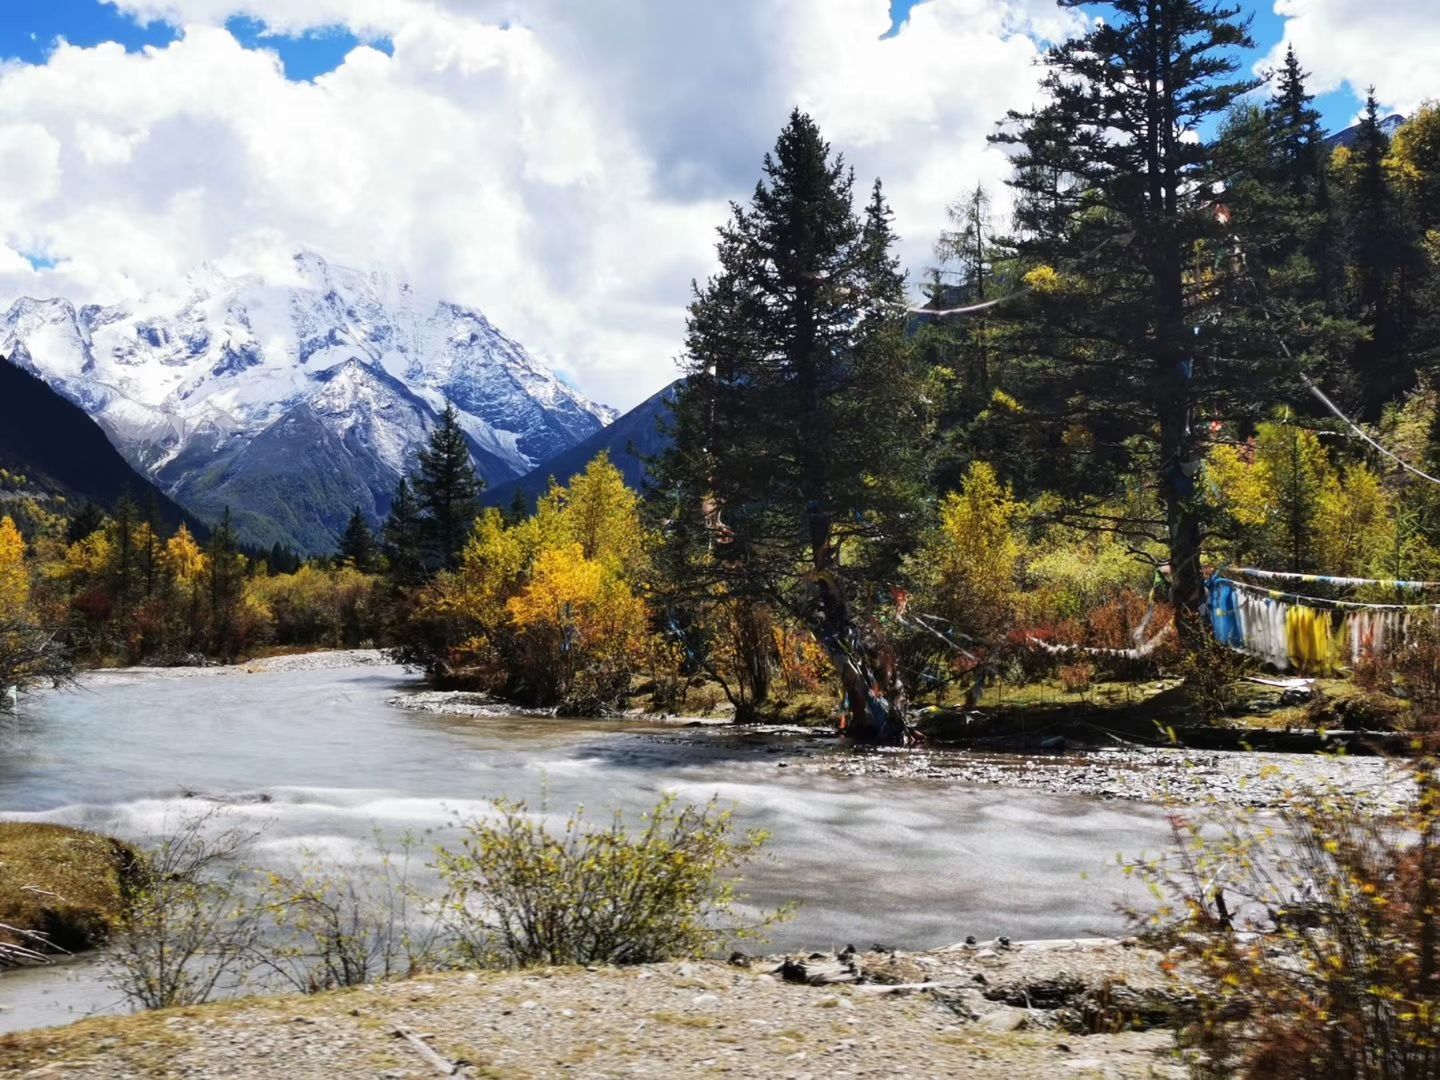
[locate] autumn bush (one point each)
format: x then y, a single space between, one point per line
522 894
1309 936
970 564
189 929
339 607
1210 675
544 610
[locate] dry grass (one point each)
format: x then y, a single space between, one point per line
64 883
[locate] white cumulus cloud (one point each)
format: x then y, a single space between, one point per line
560 165
1393 45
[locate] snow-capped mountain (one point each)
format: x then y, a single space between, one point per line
293 400
1391 124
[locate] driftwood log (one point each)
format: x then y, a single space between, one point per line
437 1061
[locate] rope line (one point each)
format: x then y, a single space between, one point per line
1314 389
1321 602
971 309
1327 579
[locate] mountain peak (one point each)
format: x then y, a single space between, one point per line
357 348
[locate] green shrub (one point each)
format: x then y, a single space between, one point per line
1210 673
347 925
189 929
520 895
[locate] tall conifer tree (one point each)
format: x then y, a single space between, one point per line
1115 191
403 538
448 491
797 433
357 546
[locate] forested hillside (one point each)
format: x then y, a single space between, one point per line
50 448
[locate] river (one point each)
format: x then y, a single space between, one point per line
321 761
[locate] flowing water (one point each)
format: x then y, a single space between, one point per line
321 761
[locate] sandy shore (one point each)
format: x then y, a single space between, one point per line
311 661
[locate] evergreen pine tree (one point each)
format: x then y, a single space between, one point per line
357 546
1114 191
403 538
448 491
1299 140
518 510
797 434
151 545
1380 252
123 521
223 570
1303 170
964 249
86 520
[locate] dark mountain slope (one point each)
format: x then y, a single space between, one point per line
61 451
630 440
1347 137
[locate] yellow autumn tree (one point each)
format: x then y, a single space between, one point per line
544 610
579 630
603 516
14 574
975 557
1266 496
1414 159
1349 521
1296 470
183 560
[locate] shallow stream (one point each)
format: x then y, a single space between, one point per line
321 761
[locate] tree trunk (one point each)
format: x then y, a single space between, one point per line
754 644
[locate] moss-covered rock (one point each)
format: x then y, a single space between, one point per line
65 884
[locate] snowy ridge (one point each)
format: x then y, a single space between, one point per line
184 381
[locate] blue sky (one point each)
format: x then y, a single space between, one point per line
564 171
29 28
1337 108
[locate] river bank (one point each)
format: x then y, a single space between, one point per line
987 1011
61 890
1158 775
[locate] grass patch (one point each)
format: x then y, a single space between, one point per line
67 884
683 1020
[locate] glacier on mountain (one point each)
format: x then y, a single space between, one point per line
293 400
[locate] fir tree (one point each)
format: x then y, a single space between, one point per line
519 508
964 249
150 545
796 429
403 538
86 520
123 533
357 546
1380 252
1299 140
282 559
224 573
1113 183
448 491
